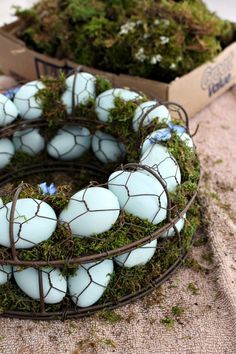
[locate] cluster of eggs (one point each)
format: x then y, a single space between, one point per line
92 210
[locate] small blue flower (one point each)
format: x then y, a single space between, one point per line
51 189
161 135
179 129
11 92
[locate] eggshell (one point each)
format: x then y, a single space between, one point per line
29 107
137 257
105 101
5 273
159 158
34 222
160 112
8 111
54 284
84 90
139 195
91 211
179 225
29 141
7 150
70 142
107 148
89 282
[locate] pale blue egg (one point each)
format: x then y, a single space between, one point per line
106 101
89 282
26 101
83 85
139 195
54 283
146 112
7 150
8 111
137 257
107 148
160 159
29 141
91 211
34 222
70 143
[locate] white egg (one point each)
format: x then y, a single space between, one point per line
29 107
139 195
34 222
91 211
7 150
151 112
90 281
106 101
107 148
179 226
54 283
137 257
70 142
8 111
159 158
5 273
29 141
84 89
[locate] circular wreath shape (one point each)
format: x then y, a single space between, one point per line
97 196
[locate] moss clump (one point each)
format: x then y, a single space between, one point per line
187 159
50 98
177 310
168 322
102 85
154 39
120 126
58 201
193 288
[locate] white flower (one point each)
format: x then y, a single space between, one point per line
164 39
166 22
156 59
146 35
179 59
127 27
173 66
140 56
139 22
156 21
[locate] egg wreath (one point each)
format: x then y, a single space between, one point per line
98 189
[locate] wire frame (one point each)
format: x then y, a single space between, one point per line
47 273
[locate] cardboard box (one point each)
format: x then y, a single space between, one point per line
194 90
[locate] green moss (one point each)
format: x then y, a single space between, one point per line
193 289
102 85
154 39
120 126
168 322
187 159
110 316
50 98
177 310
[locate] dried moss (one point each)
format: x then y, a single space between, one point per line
154 39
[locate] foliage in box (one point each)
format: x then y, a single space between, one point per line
153 39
